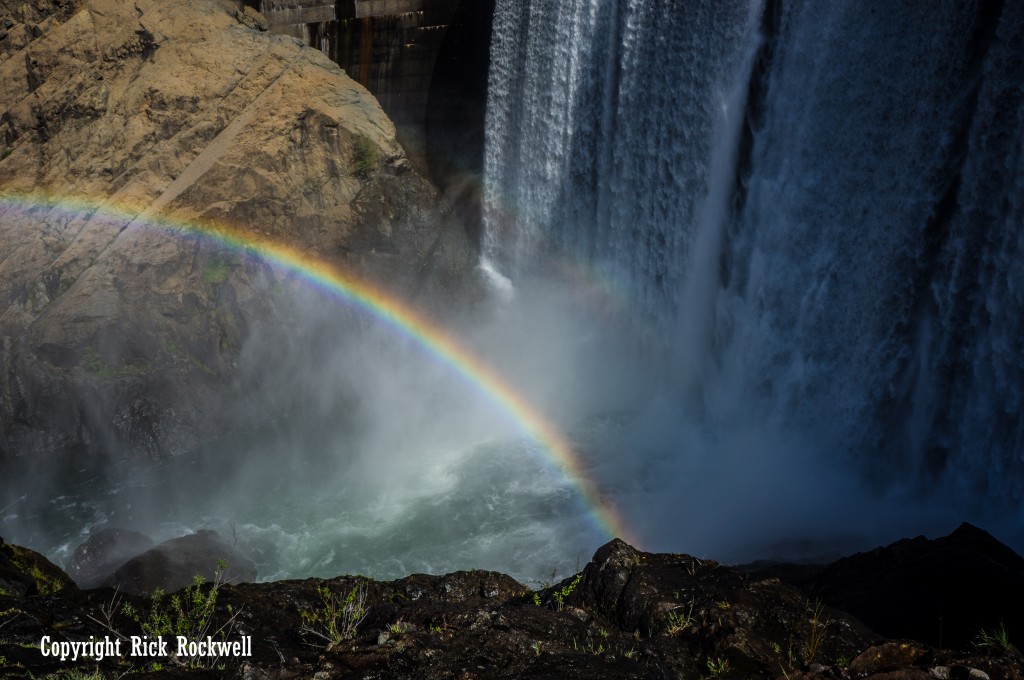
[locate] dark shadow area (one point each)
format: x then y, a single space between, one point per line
456 112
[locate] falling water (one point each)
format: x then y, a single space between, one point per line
819 208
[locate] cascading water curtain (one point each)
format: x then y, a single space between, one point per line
841 257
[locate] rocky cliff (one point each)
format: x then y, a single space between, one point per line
115 115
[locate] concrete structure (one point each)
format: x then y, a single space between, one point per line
403 51
289 16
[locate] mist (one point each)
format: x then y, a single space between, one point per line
356 449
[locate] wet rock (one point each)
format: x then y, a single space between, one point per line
174 564
100 555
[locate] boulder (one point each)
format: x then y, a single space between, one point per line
97 558
174 564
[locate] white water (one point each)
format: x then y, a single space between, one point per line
827 282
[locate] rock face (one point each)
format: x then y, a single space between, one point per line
115 333
629 614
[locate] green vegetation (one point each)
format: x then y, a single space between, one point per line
75 674
46 584
817 636
566 591
678 622
92 361
216 271
399 627
94 365
995 639
6 152
337 618
718 667
189 612
364 157
559 594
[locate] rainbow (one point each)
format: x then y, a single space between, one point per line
381 305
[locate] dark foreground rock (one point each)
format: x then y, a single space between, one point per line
943 592
628 614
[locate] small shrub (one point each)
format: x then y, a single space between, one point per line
566 591
189 613
678 622
995 639
364 157
337 618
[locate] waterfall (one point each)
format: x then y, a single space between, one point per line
819 207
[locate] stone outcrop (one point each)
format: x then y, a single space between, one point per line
629 614
114 333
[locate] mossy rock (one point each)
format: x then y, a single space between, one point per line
25 572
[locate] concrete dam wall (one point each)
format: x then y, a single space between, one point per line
425 60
